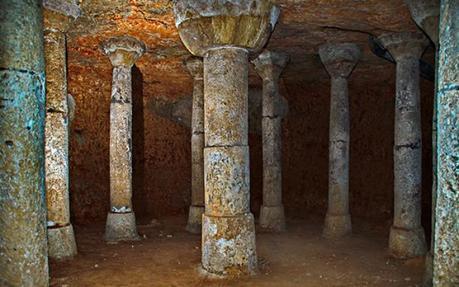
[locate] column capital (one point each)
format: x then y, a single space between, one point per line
405 44
426 14
206 24
60 14
123 50
269 65
339 59
195 67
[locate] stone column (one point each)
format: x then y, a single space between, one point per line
339 60
23 243
407 235
426 13
61 238
446 252
195 68
224 33
123 51
269 66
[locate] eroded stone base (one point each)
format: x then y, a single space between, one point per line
61 243
121 227
337 226
404 243
194 219
272 218
428 271
228 245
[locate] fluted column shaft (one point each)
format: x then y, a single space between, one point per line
195 67
446 247
23 242
269 66
123 52
407 237
61 238
339 59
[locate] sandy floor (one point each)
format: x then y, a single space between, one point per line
169 256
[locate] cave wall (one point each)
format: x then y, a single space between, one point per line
162 147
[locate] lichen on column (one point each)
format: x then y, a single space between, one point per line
407 237
61 238
269 66
195 68
446 252
208 29
23 243
339 59
123 51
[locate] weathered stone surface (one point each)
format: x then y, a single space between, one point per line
205 24
446 252
227 180
121 227
194 224
426 14
339 60
406 240
228 245
23 244
272 218
123 52
226 97
61 242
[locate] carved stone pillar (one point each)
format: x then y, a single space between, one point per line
407 237
23 243
446 246
269 66
123 52
224 33
339 60
195 67
61 238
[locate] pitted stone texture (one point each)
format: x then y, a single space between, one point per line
340 58
123 50
446 253
121 227
227 180
228 245
57 169
61 242
65 7
337 226
269 66
197 169
272 218
195 219
407 243
23 243
206 24
405 44
426 14
272 161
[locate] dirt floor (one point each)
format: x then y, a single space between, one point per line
169 256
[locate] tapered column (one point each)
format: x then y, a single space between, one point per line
446 246
426 13
224 33
195 68
269 66
407 237
123 52
339 60
23 243
61 238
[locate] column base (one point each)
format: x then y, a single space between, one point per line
195 219
228 245
405 243
121 227
61 243
272 218
427 279
337 226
